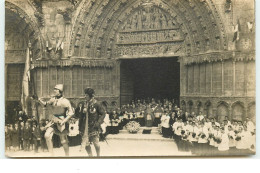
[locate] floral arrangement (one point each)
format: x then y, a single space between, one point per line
133 127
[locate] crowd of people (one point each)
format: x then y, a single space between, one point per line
28 135
25 134
147 112
206 136
198 134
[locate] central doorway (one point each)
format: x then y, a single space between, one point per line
143 78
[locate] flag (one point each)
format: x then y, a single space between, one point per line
25 83
236 32
250 26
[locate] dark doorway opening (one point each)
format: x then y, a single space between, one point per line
12 109
149 78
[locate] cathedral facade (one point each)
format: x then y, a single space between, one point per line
208 45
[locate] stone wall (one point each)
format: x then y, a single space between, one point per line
68 38
225 81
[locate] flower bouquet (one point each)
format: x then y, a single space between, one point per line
133 127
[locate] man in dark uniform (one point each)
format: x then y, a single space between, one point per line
95 115
62 112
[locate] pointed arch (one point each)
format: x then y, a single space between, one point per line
238 111
95 31
27 26
251 113
222 110
183 105
190 106
208 108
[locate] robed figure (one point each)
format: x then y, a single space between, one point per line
149 117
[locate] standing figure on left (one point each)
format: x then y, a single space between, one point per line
62 112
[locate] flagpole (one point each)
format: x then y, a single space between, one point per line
33 87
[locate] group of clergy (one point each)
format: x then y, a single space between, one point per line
146 112
205 136
198 134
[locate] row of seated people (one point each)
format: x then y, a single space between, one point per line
199 134
115 120
147 115
209 137
145 111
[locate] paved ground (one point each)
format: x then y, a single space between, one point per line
126 146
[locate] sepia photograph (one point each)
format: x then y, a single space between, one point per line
129 78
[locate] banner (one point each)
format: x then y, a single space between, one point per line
25 83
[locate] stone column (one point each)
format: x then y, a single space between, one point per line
245 113
187 79
230 112
222 77
182 78
33 104
117 81
6 70
211 79
197 108
245 79
234 78
214 111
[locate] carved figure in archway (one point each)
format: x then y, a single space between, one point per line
55 36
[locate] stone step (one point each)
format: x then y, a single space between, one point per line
124 131
154 130
137 137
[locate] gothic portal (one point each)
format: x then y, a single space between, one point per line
96 43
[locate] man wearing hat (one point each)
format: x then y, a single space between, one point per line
95 115
62 112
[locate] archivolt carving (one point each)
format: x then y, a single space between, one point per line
106 20
32 29
222 103
238 103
